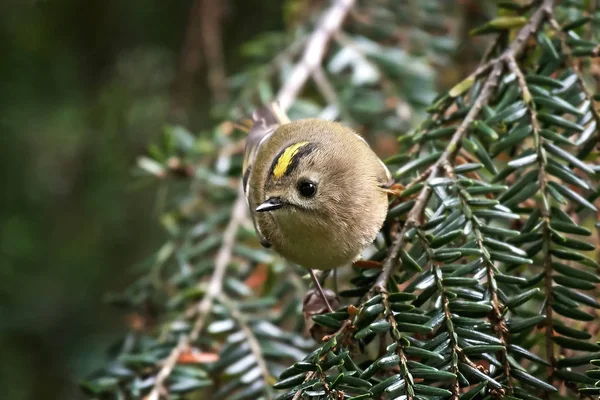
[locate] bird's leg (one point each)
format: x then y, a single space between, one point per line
366 264
320 289
395 189
335 281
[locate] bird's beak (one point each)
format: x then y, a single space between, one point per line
269 205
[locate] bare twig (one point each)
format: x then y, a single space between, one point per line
589 29
202 38
328 92
250 337
238 214
325 86
190 62
212 13
515 48
310 375
215 285
313 53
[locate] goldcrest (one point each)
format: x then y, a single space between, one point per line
316 190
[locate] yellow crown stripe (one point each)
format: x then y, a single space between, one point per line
285 159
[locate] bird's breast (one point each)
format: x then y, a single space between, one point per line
316 243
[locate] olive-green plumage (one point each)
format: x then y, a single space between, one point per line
315 189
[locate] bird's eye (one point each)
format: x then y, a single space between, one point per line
307 188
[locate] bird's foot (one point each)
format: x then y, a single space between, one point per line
366 264
395 190
375 290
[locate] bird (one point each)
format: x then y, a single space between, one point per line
316 191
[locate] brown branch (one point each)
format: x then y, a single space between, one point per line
212 14
215 286
389 315
310 375
471 14
515 48
589 31
189 64
314 51
202 38
328 92
325 87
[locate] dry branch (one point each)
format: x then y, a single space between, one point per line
314 51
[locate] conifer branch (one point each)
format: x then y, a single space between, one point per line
515 48
545 211
203 309
253 342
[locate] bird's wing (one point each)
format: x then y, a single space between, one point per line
264 122
385 177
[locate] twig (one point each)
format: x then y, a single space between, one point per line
466 54
211 14
545 211
397 336
325 86
250 337
573 64
387 85
589 31
454 346
513 51
328 92
238 214
313 53
215 285
190 62
308 377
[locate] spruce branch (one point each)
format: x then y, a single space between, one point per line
253 342
203 308
397 336
454 346
514 50
545 212
497 320
572 63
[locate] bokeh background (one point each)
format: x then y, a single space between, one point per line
85 86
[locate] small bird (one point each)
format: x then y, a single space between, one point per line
317 193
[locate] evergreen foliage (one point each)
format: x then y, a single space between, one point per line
488 285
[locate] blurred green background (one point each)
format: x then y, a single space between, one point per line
85 86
